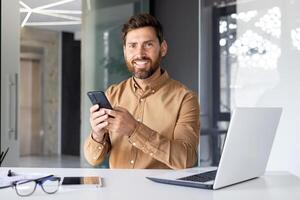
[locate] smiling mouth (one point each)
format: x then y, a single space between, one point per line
140 63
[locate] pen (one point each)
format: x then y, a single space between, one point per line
11 173
3 156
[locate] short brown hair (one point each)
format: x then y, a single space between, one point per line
142 20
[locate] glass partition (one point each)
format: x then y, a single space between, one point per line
268 68
102 51
256 63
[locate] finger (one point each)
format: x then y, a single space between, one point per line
100 126
112 124
100 119
112 113
97 114
106 109
111 120
94 108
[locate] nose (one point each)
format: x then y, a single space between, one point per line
140 51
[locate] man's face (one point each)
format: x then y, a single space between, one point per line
143 52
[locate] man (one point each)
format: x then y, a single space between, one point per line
155 120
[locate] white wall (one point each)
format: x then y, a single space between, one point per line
273 79
10 64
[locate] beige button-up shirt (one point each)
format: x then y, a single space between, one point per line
168 132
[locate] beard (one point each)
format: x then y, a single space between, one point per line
143 73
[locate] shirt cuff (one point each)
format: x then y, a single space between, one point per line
103 139
141 139
96 148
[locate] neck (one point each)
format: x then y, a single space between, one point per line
143 83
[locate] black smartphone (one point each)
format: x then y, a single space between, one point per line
86 180
98 97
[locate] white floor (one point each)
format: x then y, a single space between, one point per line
63 161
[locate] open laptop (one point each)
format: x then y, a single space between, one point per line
245 153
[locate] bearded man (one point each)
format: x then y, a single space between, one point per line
154 123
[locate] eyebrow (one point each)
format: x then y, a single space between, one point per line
143 42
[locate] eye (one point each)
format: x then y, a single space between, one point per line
149 45
131 45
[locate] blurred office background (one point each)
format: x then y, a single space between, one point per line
230 52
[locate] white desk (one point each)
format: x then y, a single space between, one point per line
132 184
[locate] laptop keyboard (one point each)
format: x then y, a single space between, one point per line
202 177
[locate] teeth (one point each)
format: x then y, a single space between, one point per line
141 62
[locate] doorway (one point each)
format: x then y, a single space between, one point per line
31 131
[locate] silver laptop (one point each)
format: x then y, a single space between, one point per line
245 153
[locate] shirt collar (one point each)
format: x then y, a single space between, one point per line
154 85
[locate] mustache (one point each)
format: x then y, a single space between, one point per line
141 59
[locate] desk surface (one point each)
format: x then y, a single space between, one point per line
132 184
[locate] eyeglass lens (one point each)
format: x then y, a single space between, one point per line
51 185
25 188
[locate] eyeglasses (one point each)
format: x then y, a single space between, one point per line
49 184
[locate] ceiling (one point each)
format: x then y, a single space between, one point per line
58 15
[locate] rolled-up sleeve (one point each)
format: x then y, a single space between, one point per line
180 151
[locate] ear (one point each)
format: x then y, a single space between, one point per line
164 48
124 51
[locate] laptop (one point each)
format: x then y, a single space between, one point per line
245 153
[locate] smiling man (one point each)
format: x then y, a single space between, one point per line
155 119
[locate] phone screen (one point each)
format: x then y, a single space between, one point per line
87 180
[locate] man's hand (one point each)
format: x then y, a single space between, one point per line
121 122
98 121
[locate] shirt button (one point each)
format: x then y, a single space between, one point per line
138 120
134 144
131 162
153 91
141 99
99 147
